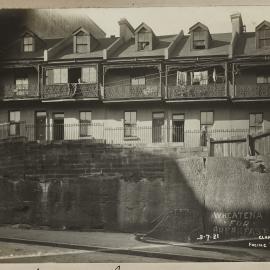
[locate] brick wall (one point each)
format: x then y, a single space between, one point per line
170 193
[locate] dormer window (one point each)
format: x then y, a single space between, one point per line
143 39
82 42
199 39
28 43
264 37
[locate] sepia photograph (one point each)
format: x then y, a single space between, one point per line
135 135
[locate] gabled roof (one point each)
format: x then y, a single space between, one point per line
219 46
246 46
198 25
80 29
264 23
143 25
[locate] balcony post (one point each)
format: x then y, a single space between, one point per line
226 79
166 84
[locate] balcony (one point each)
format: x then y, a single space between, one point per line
215 90
261 90
132 92
21 91
70 91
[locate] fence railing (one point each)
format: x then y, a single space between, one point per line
70 90
160 134
21 91
252 90
132 91
197 91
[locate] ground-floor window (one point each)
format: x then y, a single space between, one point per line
130 124
14 120
85 123
255 122
178 121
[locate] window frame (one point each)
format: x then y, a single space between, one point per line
82 36
131 127
144 38
256 126
137 78
89 73
263 37
84 124
22 85
200 39
60 75
207 124
28 44
14 123
266 79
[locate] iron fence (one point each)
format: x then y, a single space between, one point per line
99 132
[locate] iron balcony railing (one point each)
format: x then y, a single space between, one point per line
213 90
20 91
135 135
252 90
132 91
70 90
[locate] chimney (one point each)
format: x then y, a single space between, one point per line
126 29
237 23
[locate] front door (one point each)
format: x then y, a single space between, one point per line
157 127
58 126
40 130
178 128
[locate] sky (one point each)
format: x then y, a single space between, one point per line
170 20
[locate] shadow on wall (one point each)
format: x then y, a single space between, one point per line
164 193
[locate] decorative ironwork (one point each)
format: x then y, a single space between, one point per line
197 91
255 90
131 91
20 91
70 90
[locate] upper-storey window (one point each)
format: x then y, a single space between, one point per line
143 39
22 83
136 81
263 79
89 75
199 39
264 37
28 43
82 42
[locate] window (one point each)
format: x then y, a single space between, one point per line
21 84
264 37
138 81
199 40
200 78
14 120
28 43
89 75
207 119
255 122
263 79
60 75
181 78
82 40
143 39
85 124
178 121
130 124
